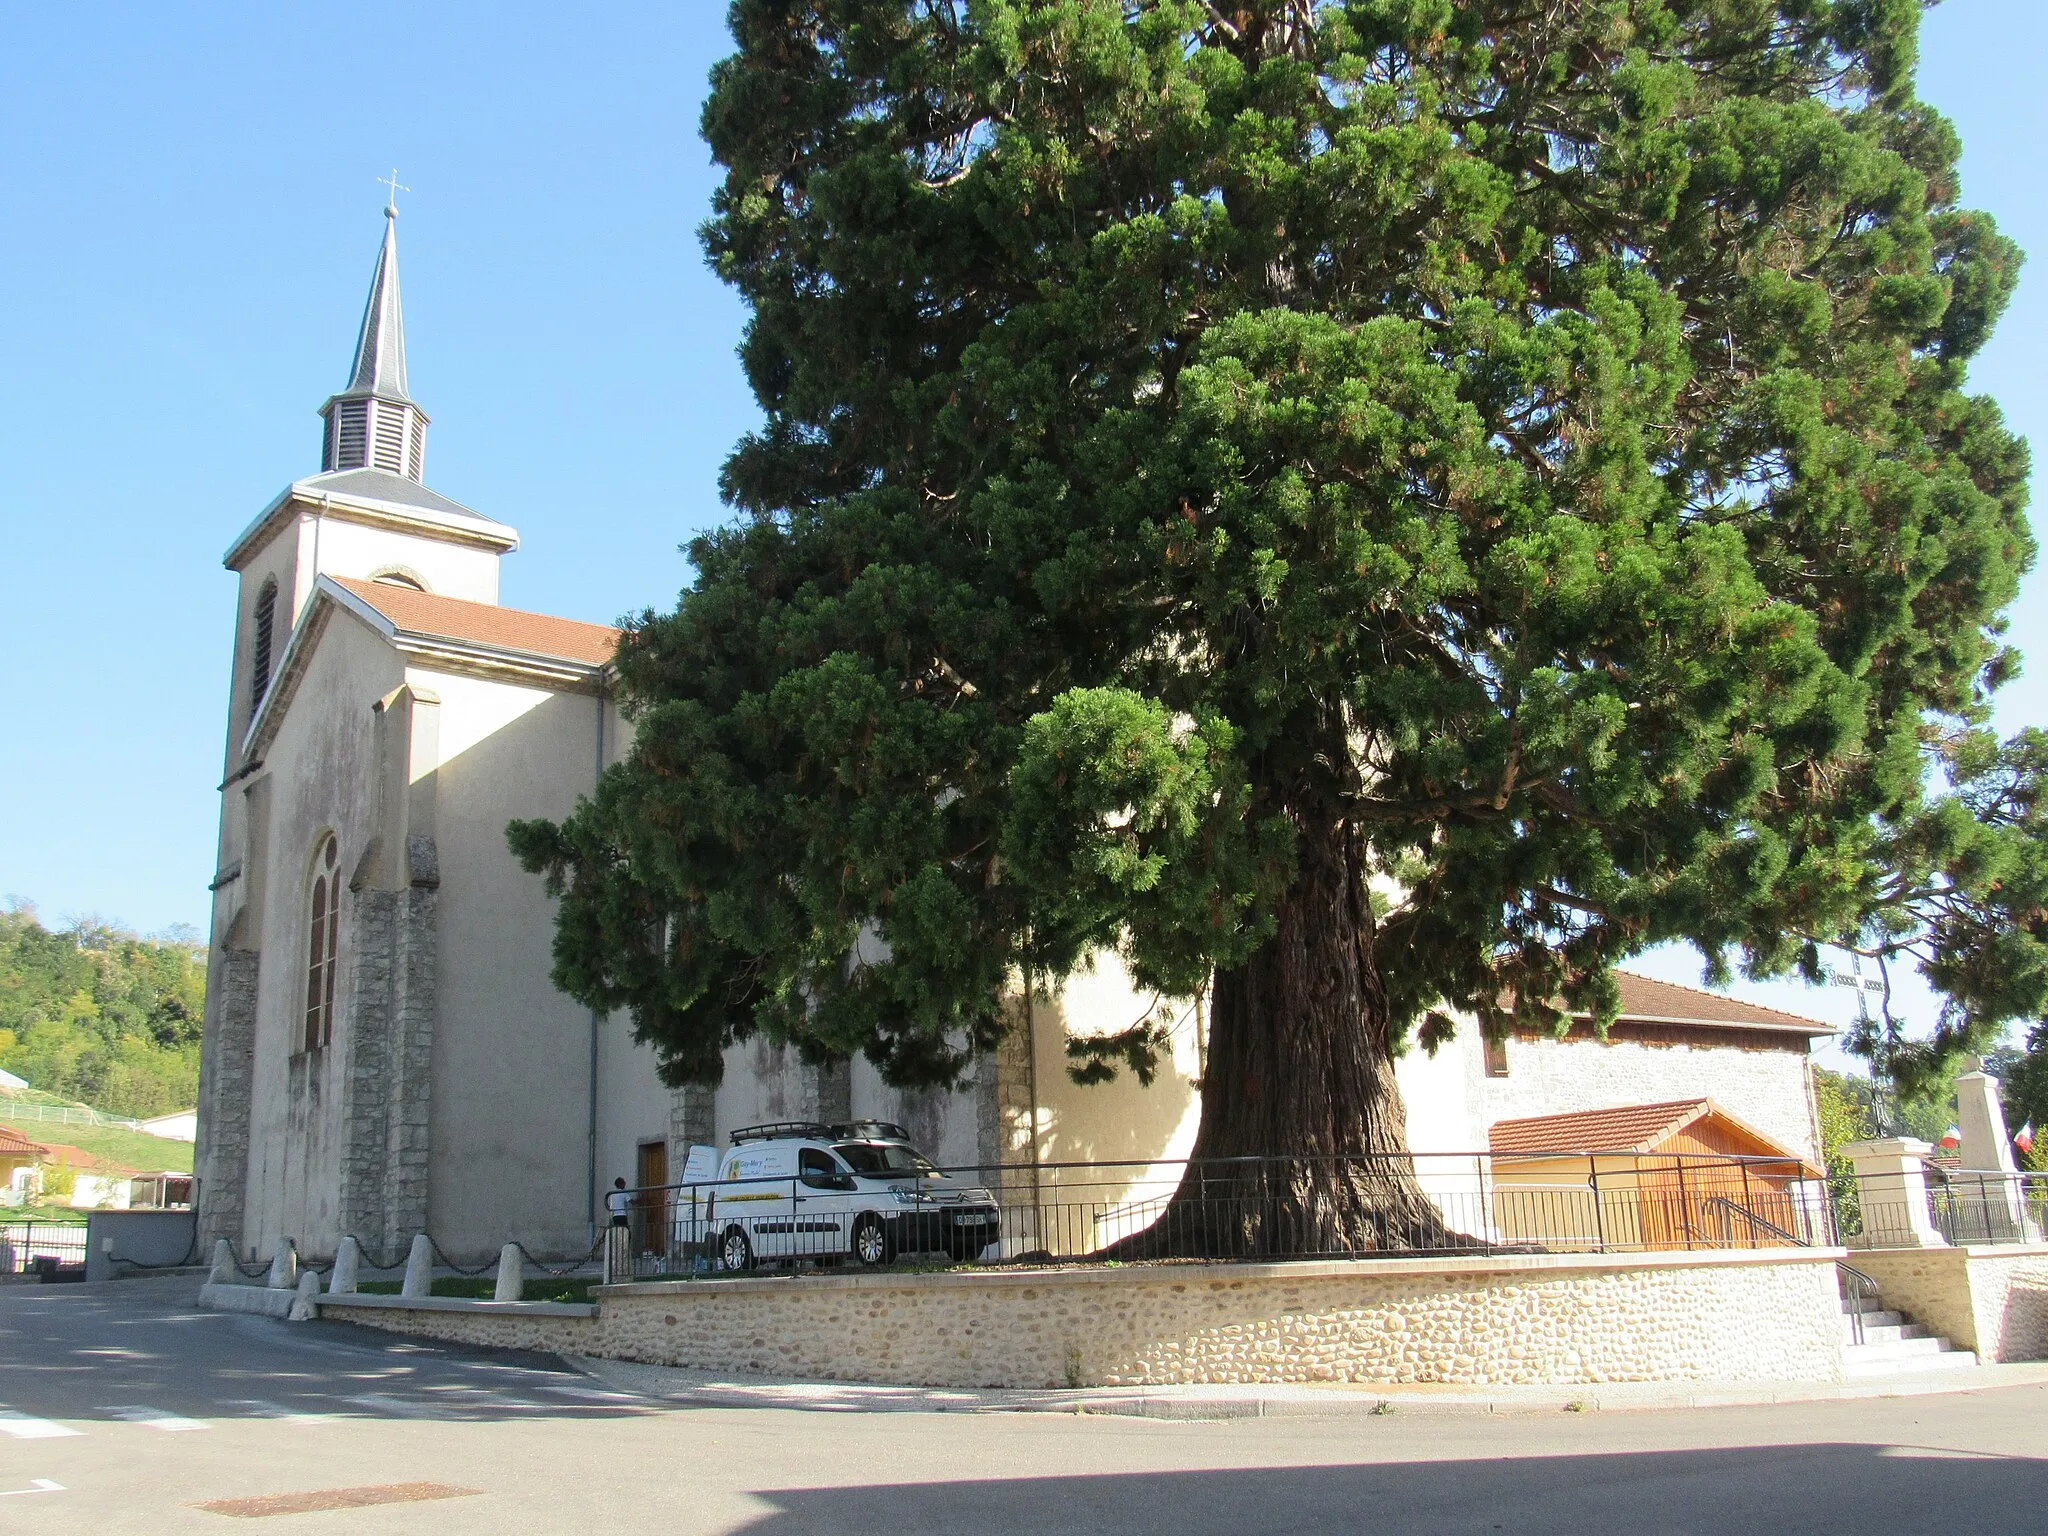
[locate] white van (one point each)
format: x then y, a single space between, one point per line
800 1190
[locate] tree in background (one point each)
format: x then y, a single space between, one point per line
2024 1083
101 1015
1842 1105
1221 455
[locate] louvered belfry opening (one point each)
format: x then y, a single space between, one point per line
265 622
376 434
373 424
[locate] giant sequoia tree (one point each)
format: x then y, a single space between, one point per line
1383 508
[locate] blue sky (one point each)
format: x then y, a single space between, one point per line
193 219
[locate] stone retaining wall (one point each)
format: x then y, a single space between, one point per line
1771 1315
1993 1300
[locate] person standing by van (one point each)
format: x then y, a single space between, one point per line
618 1252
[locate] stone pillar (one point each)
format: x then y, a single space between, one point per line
832 1091
227 1079
692 1115
395 891
224 1271
348 1262
511 1274
1891 1184
419 1268
1987 1195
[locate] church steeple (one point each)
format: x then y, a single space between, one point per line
373 424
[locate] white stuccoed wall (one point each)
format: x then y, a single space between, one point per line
1767 1089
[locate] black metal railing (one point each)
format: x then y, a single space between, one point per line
1235 1208
1889 1210
53 1250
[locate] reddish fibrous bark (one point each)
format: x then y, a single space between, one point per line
1303 1141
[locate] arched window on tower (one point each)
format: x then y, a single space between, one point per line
265 623
323 937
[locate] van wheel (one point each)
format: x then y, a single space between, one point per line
871 1240
734 1251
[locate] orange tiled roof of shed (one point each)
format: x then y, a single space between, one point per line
511 629
1629 1128
1654 1001
14 1144
1626 1128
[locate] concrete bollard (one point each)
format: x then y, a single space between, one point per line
511 1274
304 1309
419 1268
224 1271
284 1266
348 1259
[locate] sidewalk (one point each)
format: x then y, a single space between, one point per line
708 1390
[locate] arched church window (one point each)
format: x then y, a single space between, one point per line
396 576
266 621
322 940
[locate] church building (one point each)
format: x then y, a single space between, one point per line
384 1053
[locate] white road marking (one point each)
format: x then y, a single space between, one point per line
35 1485
398 1407
22 1427
264 1408
155 1418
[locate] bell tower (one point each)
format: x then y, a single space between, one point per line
373 424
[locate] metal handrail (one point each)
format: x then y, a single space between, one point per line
1860 1286
1755 1221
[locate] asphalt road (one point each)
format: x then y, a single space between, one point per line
126 1408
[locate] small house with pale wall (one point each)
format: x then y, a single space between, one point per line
19 1159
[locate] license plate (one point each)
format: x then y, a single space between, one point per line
974 1221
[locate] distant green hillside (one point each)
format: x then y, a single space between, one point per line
98 1015
129 1149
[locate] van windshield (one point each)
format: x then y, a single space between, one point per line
883 1157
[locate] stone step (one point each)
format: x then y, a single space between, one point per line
1877 1317
1885 1333
1903 1349
1876 1360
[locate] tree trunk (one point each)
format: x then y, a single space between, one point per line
1303 1142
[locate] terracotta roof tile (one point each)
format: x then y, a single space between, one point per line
510 629
14 1144
1630 1128
1666 1002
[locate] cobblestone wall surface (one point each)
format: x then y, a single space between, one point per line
1992 1300
1538 1320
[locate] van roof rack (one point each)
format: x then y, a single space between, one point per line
872 1130
769 1132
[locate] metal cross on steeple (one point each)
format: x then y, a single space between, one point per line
391 181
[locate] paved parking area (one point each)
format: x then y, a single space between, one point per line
127 1408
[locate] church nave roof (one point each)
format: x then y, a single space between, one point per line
431 616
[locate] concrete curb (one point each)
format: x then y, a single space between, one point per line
377 1302
1211 1403
258 1299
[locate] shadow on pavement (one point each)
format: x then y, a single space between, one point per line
1857 1490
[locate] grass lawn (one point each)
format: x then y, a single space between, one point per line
130 1149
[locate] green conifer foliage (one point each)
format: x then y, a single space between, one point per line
1219 453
